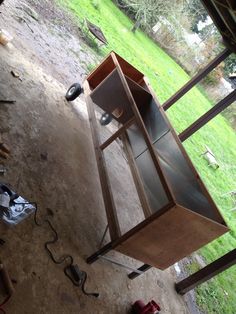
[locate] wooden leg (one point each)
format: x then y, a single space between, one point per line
143 268
105 249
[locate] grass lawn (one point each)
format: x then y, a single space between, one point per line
166 77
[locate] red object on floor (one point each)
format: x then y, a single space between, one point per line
139 307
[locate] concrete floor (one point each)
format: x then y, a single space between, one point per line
53 163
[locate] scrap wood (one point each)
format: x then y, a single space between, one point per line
96 31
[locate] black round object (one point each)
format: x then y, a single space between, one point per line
105 119
74 91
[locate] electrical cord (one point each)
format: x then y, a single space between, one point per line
76 276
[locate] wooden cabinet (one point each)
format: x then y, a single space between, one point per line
180 215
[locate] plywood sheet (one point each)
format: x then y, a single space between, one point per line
101 72
129 70
172 236
111 96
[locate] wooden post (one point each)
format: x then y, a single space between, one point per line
197 78
113 222
117 133
206 273
224 103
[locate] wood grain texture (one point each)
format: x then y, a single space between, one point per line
107 66
101 72
129 70
177 233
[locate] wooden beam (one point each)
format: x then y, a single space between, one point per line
214 111
197 78
109 203
206 273
117 133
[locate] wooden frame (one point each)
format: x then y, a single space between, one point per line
171 230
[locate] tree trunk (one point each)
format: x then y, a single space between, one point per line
135 26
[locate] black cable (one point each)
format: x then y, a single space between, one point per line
83 275
81 282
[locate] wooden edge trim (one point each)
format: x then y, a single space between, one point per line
109 203
222 225
90 76
143 130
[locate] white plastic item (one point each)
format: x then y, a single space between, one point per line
5 37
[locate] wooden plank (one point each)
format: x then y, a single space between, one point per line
206 273
196 79
129 70
177 233
214 111
141 125
113 222
117 133
137 179
101 72
107 66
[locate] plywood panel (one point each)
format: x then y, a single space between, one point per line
129 70
172 236
101 72
111 96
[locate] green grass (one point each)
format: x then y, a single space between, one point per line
166 77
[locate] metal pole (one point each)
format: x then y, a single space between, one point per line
197 78
113 261
206 273
141 269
